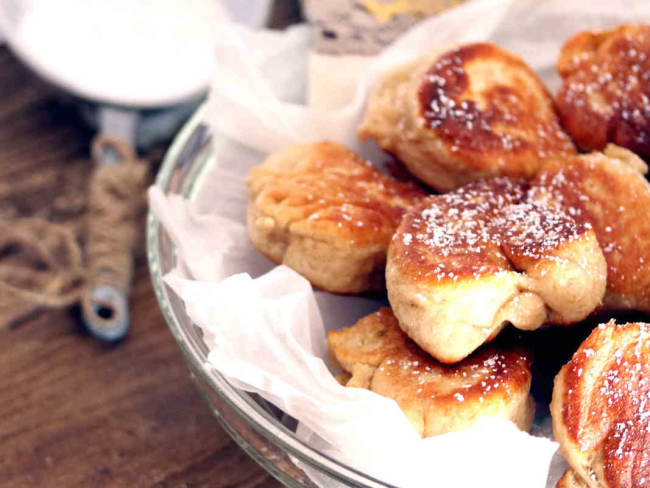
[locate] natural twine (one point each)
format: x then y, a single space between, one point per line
41 267
41 262
116 198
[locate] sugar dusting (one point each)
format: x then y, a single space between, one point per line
615 396
490 372
483 227
610 86
605 193
405 370
504 116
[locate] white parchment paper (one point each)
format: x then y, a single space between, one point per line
264 325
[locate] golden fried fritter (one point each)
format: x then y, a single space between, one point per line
608 191
474 112
605 95
601 407
464 264
435 397
323 211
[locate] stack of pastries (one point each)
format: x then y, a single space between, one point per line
526 231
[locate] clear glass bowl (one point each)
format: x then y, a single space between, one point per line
265 432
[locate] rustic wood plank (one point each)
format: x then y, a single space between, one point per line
75 412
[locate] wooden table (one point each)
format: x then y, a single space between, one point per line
74 412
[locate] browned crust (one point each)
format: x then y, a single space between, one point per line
326 190
606 88
613 197
506 127
506 372
415 251
368 341
327 214
414 377
483 228
605 403
467 114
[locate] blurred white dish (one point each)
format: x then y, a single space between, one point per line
127 52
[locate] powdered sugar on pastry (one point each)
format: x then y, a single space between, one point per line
463 264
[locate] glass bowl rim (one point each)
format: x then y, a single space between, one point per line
253 414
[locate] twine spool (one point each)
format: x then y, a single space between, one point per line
41 263
116 196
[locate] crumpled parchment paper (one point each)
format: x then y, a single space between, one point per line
264 325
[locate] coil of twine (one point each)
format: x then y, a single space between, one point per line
42 263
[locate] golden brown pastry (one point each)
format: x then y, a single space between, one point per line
601 407
474 112
464 264
605 95
609 192
323 211
436 398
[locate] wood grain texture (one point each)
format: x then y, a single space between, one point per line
74 412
